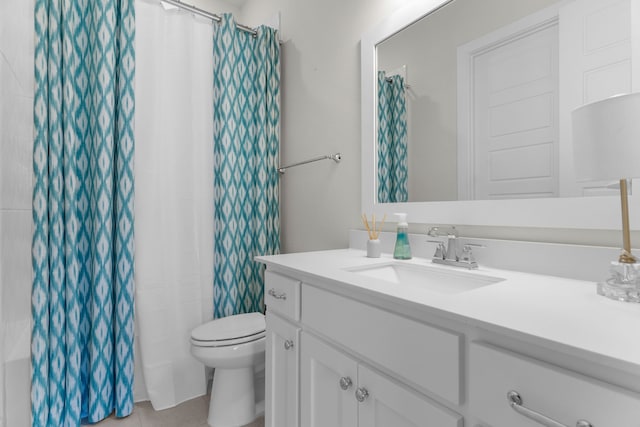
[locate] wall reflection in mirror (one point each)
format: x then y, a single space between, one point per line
475 99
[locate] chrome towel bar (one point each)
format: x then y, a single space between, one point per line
515 401
335 157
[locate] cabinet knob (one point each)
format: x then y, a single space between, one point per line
362 394
288 345
345 383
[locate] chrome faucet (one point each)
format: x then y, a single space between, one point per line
451 250
450 254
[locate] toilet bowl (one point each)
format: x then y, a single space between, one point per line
234 346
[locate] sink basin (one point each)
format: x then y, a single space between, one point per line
429 278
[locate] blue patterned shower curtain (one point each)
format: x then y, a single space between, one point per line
246 146
392 140
82 251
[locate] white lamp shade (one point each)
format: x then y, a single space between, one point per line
606 139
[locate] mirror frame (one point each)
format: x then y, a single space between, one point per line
600 212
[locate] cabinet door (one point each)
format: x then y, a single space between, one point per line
389 404
282 371
327 385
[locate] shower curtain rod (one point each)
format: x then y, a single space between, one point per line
209 15
390 80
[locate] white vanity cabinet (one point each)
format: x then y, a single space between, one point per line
337 387
350 350
337 390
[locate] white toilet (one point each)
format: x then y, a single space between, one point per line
234 346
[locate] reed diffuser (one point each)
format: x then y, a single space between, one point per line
373 230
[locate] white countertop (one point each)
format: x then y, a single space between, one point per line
548 310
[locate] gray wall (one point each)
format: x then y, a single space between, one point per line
215 6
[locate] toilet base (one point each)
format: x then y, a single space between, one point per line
232 401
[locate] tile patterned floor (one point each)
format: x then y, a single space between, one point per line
192 413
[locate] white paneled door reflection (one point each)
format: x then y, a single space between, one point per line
515 126
524 80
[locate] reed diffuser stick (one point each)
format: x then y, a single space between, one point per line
373 220
374 229
366 224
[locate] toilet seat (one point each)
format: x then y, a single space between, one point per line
230 331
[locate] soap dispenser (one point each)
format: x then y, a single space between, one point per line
402 249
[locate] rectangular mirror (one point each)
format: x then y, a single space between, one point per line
466 109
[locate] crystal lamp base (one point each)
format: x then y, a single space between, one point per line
623 284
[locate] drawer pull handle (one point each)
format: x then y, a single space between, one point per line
288 345
515 401
277 295
362 394
345 383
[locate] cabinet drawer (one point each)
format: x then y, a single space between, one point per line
561 395
419 354
282 295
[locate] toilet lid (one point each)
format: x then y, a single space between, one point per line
230 330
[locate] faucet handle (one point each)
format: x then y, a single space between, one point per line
450 232
467 254
441 250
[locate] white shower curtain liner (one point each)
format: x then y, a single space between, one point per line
174 199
